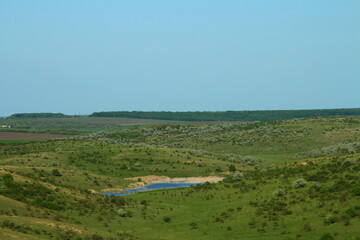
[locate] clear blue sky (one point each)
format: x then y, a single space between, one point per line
82 56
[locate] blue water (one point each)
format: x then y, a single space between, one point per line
154 186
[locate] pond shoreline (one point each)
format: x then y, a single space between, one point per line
154 179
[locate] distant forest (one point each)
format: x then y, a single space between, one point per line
268 115
38 115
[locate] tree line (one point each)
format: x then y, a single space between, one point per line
264 115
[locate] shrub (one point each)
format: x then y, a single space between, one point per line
307 227
279 192
238 176
299 183
123 167
314 185
8 179
232 168
348 162
351 212
356 191
326 236
124 213
167 219
193 225
56 173
96 237
329 219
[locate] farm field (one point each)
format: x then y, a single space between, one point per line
293 179
27 136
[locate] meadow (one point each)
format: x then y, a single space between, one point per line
289 179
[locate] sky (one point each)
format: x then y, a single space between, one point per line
84 56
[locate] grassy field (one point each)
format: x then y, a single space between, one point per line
78 125
295 179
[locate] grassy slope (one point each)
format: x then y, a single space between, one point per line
274 141
245 209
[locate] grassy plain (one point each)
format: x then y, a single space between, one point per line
76 125
297 179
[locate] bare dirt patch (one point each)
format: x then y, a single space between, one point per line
28 136
57 225
150 179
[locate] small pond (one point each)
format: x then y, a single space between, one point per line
154 186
